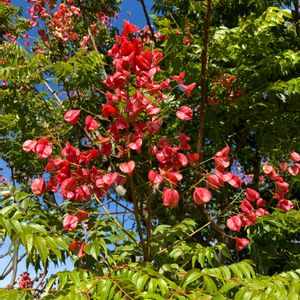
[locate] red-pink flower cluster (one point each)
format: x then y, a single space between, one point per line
38 186
184 113
187 88
147 38
249 215
131 60
229 86
79 247
170 161
72 116
62 22
73 176
241 243
71 221
220 176
3 181
39 10
24 281
170 197
281 190
201 195
132 116
294 167
42 147
11 38
6 2
105 19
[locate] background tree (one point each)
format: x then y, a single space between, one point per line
164 133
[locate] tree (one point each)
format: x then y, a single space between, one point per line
104 132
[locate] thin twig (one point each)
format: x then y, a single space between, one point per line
5 254
53 93
149 224
93 40
137 216
4 274
12 174
37 291
15 262
147 18
96 49
6 271
208 223
296 17
87 24
114 219
120 204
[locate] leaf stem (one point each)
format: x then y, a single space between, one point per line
137 216
114 219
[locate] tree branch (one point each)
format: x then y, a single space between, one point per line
203 80
53 92
296 17
7 271
40 283
5 254
114 219
15 262
147 18
218 230
95 48
137 216
149 224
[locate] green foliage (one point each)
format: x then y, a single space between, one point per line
22 68
276 241
175 248
23 221
11 20
235 281
80 70
16 294
261 50
263 53
252 41
147 284
122 282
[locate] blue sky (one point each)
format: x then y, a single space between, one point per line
131 10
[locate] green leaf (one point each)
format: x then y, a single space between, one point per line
49 285
163 286
5 211
228 286
142 280
51 243
151 295
236 270
37 228
225 272
209 284
41 246
190 277
152 285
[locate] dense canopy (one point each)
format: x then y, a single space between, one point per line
152 163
